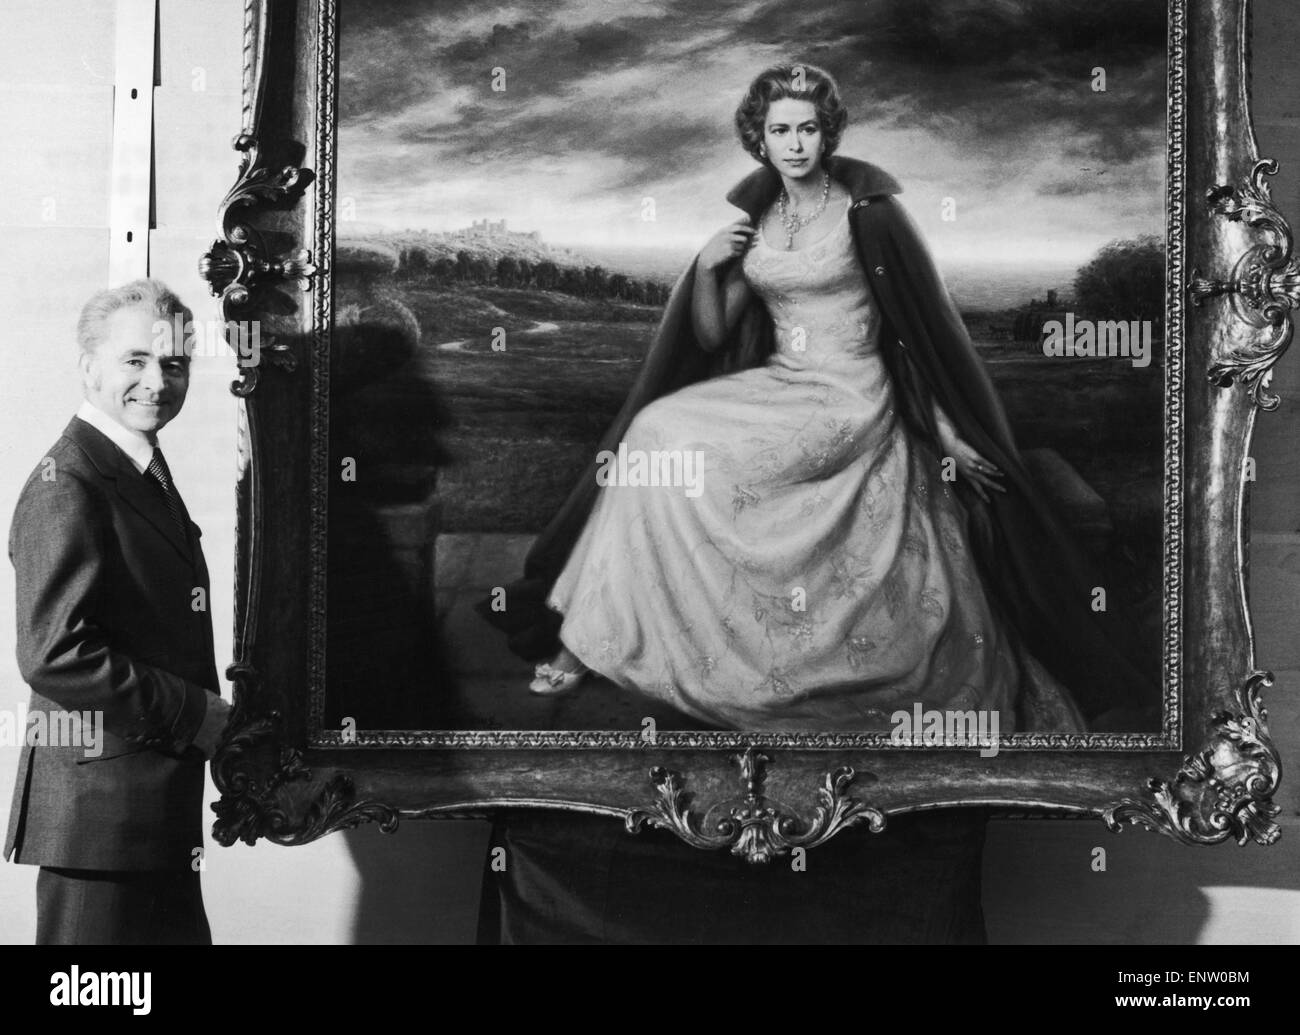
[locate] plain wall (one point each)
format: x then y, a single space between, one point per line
56 93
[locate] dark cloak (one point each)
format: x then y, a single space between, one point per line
1038 579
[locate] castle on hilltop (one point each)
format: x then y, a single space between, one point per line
495 228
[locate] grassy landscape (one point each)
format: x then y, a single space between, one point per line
431 412
522 422
510 430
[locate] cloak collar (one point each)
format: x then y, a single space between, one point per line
759 189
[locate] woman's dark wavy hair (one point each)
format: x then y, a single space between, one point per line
780 82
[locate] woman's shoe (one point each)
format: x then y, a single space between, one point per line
549 681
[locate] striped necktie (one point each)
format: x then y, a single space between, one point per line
157 470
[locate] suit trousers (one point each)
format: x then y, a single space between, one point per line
120 907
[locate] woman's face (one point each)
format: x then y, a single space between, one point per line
793 137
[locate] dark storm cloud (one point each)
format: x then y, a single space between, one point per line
990 73
1071 188
554 103
409 49
398 57
988 76
609 99
487 137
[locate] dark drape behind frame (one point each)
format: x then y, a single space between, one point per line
573 879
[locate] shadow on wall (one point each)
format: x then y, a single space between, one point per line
1043 884
1040 887
421 884
385 660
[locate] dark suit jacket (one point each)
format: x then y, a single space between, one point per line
107 623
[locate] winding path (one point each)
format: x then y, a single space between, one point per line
541 327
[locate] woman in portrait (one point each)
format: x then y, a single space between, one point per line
864 535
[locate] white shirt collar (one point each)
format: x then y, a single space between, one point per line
136 446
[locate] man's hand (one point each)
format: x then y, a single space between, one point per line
214 722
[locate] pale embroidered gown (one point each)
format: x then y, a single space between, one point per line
822 578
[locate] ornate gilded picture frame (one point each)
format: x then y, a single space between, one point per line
303 756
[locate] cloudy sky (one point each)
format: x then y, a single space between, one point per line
610 102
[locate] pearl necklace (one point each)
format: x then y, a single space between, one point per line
792 223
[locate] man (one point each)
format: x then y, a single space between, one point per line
114 626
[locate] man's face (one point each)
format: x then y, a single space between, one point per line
139 373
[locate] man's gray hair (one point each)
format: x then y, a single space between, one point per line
152 295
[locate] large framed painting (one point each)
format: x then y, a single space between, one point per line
746 420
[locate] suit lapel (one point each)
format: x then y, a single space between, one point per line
136 490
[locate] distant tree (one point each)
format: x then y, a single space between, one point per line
594 282
365 259
463 260
480 270
617 286
508 271
547 275
415 260
525 273
443 269
1124 281
572 281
